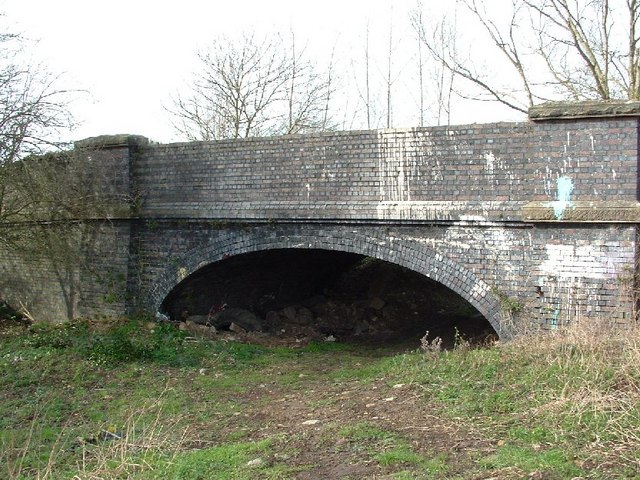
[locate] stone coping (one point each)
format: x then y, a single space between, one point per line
112 141
581 211
584 109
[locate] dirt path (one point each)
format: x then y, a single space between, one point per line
333 429
313 418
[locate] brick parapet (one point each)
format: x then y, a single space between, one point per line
486 172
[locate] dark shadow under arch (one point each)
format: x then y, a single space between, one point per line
410 254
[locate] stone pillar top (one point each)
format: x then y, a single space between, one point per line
584 109
113 141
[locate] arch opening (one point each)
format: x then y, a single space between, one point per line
313 294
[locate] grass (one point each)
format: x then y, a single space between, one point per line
64 384
392 450
232 461
574 395
134 400
527 459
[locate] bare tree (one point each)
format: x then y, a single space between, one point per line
582 44
33 112
553 49
480 84
364 85
48 202
442 77
308 95
253 87
421 97
327 122
389 80
367 77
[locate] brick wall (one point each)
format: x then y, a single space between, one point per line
487 171
89 278
538 216
461 193
555 276
90 281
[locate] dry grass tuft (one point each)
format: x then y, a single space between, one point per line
597 370
133 449
144 439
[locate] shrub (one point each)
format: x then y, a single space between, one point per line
62 335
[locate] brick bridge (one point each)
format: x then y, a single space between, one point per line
529 222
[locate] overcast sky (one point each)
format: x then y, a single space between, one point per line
131 56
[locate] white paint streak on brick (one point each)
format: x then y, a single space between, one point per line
407 210
490 158
473 218
395 168
571 262
437 210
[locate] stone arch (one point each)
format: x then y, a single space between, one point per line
411 254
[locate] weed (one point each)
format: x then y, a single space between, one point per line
229 461
61 335
365 431
430 347
321 347
509 305
573 388
152 224
401 455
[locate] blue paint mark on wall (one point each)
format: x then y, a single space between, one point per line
565 189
